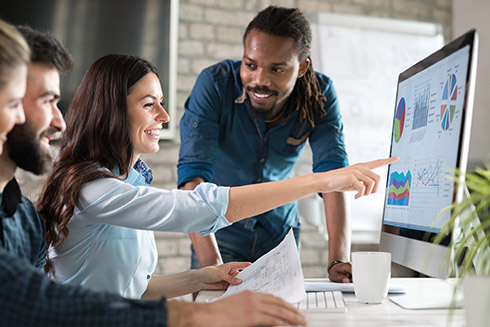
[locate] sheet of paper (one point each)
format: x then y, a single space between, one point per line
277 272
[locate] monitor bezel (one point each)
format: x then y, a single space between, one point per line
423 255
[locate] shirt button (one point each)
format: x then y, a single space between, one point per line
195 125
258 180
148 277
262 159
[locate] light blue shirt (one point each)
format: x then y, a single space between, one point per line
111 246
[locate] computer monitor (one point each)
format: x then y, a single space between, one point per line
431 130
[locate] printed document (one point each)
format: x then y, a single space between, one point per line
277 272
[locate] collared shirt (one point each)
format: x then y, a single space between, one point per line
29 298
222 142
21 226
111 246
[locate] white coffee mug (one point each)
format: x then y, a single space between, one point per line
371 272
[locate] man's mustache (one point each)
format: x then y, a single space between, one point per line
263 89
49 132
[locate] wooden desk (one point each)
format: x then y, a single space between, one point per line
379 315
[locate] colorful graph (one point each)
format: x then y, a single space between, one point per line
400 119
448 106
399 188
429 176
421 105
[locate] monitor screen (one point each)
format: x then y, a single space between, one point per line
431 126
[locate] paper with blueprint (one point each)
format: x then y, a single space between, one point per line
277 272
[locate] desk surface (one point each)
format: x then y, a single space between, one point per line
379 315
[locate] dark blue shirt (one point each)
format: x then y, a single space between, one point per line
29 298
22 228
222 142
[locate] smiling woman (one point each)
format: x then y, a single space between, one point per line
146 114
98 186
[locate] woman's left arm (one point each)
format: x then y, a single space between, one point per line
209 278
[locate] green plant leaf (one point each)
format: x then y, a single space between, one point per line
469 224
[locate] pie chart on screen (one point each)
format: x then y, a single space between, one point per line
400 119
449 98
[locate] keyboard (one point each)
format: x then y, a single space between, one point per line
323 301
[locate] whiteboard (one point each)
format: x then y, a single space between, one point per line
364 56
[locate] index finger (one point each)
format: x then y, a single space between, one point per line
380 162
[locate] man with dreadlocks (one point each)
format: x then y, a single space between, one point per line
248 121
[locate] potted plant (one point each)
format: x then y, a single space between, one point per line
469 229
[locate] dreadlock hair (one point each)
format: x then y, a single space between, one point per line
292 23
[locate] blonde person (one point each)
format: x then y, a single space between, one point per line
100 210
14 56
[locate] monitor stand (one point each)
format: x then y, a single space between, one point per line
430 293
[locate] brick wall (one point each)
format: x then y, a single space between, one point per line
211 30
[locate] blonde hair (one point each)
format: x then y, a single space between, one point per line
14 50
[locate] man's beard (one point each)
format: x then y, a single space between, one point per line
264 113
24 148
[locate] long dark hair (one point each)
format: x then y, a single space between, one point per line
292 23
98 134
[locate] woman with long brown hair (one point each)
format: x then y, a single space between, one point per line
98 207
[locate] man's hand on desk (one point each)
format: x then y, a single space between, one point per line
247 308
341 273
219 277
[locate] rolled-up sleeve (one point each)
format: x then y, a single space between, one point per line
327 138
111 201
199 128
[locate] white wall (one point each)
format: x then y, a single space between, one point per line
475 14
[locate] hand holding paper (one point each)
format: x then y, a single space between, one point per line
278 272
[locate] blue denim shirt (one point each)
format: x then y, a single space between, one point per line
223 143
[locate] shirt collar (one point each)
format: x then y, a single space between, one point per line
242 97
142 168
11 197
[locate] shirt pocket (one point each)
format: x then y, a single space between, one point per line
295 145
